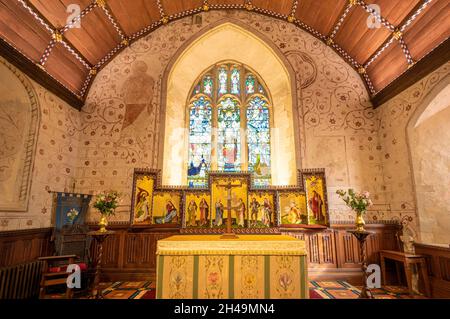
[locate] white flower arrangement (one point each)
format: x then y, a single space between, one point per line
72 214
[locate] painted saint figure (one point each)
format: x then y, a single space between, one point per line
316 205
219 213
267 212
171 214
204 212
254 208
294 214
137 93
192 212
241 213
142 206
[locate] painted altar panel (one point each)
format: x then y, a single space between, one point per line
262 209
238 201
143 186
317 206
292 207
253 209
166 208
197 209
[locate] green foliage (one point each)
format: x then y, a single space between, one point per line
356 201
106 203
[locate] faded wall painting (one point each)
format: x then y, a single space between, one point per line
18 128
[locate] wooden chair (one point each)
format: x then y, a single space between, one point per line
55 276
72 245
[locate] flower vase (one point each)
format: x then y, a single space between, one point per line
360 221
103 223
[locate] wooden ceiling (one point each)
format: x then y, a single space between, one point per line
402 33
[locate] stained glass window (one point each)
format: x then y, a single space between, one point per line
235 81
261 90
258 140
223 75
196 90
200 116
250 84
208 85
217 102
229 137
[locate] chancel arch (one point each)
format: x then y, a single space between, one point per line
229 41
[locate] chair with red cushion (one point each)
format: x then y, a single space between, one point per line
72 245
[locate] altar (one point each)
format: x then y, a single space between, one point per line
249 267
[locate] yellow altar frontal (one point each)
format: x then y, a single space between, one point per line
249 267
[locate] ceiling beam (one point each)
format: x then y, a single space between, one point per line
32 70
59 37
389 39
436 58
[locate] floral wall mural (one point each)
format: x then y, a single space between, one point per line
54 156
119 128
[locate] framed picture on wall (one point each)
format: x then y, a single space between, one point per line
314 183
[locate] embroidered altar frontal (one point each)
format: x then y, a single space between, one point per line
250 267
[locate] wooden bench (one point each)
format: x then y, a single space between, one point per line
408 261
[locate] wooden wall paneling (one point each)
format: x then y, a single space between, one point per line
22 246
347 246
332 251
328 255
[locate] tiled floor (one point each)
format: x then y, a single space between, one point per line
318 290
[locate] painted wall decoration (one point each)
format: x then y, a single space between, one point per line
316 197
197 209
262 211
292 207
334 112
97 149
18 134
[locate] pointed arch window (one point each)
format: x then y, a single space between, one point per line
229 124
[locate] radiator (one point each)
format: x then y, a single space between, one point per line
20 281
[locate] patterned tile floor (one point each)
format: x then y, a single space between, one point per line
318 290
343 290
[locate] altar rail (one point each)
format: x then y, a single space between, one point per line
130 254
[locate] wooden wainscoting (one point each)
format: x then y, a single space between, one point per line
130 254
438 261
333 254
22 246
